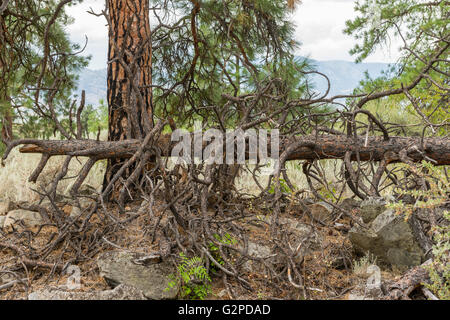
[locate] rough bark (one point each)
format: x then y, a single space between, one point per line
309 147
7 118
408 282
374 149
129 73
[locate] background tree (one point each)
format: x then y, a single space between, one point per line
203 52
220 49
422 28
38 66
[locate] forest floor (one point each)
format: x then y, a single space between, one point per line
331 269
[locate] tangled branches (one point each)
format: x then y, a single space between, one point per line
196 207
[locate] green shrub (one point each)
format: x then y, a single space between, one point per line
284 188
439 269
436 196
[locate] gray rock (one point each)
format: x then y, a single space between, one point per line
83 203
304 238
350 204
390 238
28 218
120 267
300 229
259 251
46 204
300 234
75 212
86 203
360 294
366 291
87 190
322 211
121 292
223 293
2 221
371 208
75 208
357 296
5 207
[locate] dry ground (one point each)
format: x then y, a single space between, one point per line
329 270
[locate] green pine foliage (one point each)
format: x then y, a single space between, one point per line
22 48
420 26
241 45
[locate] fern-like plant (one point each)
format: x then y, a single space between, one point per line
192 278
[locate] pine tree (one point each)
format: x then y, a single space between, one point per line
38 67
204 51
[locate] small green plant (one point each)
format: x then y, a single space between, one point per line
284 188
192 278
214 249
435 196
360 266
328 193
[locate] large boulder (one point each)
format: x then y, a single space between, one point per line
151 277
19 217
390 238
121 292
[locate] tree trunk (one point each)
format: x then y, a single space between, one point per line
6 117
129 74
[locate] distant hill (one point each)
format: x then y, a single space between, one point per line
94 83
344 77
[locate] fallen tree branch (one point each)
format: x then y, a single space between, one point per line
312 148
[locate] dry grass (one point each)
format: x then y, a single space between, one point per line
360 266
18 167
329 168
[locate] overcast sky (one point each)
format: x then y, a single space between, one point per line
319 25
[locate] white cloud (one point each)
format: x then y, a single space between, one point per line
94 28
320 25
